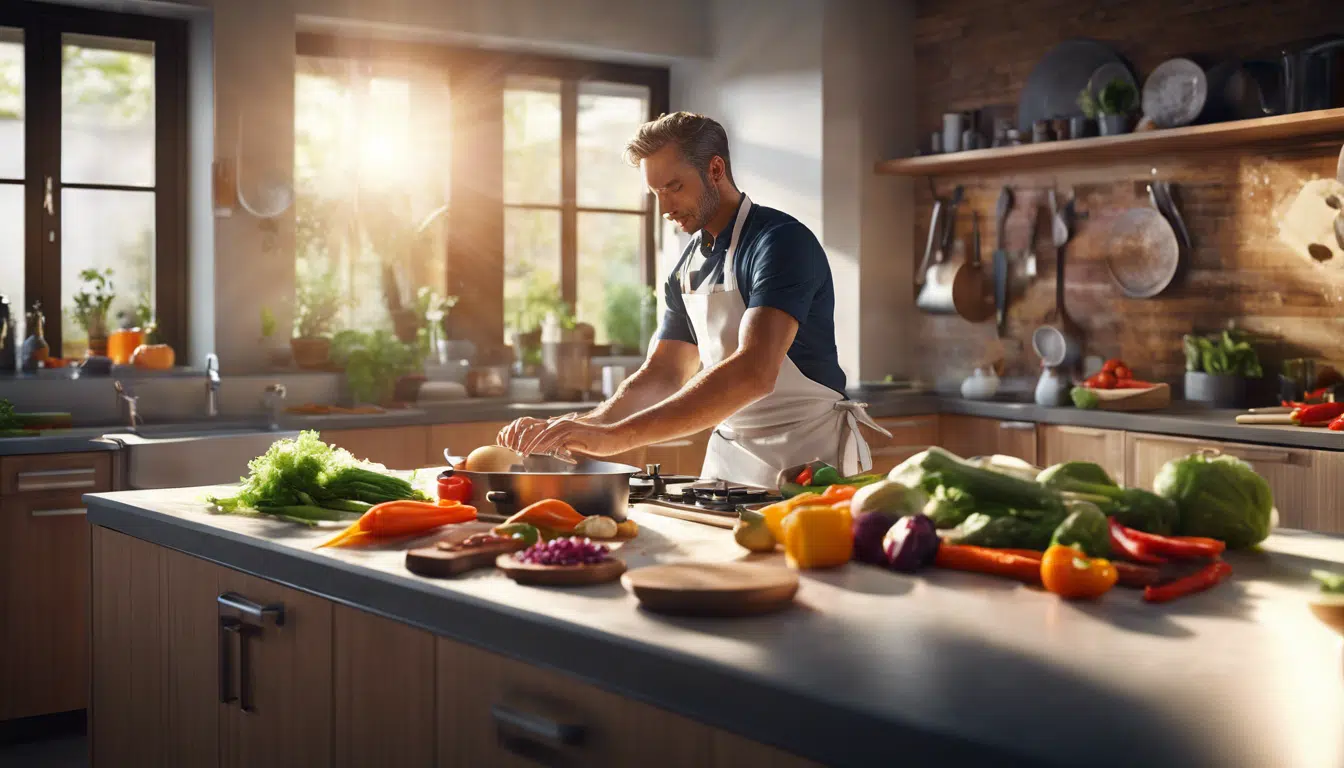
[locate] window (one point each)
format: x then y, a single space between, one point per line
576 217
92 157
360 194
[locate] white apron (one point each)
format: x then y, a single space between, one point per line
799 421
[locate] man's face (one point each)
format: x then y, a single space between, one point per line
683 196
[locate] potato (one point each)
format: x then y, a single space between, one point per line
492 458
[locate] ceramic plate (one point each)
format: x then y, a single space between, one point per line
1174 93
1052 87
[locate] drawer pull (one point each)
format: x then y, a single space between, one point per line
71 512
1082 431
1260 456
907 423
516 723
1021 426
899 450
56 479
227 626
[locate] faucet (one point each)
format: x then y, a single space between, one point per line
272 398
211 385
132 411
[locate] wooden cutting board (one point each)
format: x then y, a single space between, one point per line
713 589
560 575
445 559
1150 399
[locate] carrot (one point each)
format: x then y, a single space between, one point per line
1033 554
960 557
400 518
549 513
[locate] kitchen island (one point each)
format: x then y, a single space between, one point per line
869 668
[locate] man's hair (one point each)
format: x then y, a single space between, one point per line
697 137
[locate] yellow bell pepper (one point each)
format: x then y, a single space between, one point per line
817 536
775 513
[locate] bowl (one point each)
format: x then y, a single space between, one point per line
1330 610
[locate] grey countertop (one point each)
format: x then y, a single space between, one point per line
1183 419
872 667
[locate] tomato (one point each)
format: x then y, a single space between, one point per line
1122 372
1113 364
1104 381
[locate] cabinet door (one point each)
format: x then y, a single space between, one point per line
1016 438
1100 446
498 712
968 436
909 436
684 456
394 447
284 683
1297 482
44 605
384 689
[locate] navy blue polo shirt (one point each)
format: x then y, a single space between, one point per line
779 264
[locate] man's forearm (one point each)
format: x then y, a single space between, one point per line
708 399
643 389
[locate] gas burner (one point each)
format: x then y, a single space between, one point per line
694 493
724 496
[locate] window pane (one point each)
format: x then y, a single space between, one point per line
609 114
532 140
610 289
11 253
531 266
11 106
103 229
107 111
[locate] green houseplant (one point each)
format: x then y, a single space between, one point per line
317 303
1115 105
91 305
373 362
628 317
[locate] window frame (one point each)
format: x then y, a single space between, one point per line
43 26
475 218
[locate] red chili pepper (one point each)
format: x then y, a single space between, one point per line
1337 424
1206 577
1316 414
1122 542
454 488
1134 575
1133 384
1182 546
804 477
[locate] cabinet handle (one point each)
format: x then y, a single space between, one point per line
227 625
254 611
1020 426
72 512
56 479
244 667
535 727
907 423
898 450
1261 456
1082 431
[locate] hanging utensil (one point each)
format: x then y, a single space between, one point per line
1001 210
1144 252
968 284
1060 339
935 236
935 297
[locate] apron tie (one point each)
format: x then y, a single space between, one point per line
856 414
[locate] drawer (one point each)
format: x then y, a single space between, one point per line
1058 443
45 473
909 436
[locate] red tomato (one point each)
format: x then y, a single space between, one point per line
1105 381
1113 364
1121 373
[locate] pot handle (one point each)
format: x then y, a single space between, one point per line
453 461
498 497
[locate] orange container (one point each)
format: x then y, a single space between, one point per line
122 343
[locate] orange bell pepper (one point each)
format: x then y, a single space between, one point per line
775 513
1070 574
817 536
552 514
839 492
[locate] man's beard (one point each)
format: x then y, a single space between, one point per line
706 207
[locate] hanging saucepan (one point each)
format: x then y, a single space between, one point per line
1143 253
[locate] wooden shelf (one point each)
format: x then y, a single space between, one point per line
1314 127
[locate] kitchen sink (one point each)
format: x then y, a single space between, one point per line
178 455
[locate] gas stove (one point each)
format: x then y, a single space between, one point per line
693 494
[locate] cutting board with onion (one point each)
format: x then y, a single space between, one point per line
1152 398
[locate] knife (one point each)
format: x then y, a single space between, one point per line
1001 259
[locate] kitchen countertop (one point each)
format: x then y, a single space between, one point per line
1184 419
872 667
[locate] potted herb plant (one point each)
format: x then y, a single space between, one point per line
373 362
1115 106
626 316
1221 369
91 306
317 302
526 312
1084 125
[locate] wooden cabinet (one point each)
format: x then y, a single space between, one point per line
1057 442
1305 482
680 457
393 447
969 436
384 691
44 580
909 435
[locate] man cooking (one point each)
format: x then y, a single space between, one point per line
747 341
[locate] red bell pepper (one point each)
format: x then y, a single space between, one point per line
1317 414
1338 424
1125 544
804 477
1206 577
454 488
1171 546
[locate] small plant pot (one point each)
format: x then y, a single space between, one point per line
281 357
311 352
98 346
1081 127
1114 125
406 324
1218 390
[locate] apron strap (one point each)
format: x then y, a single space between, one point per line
855 414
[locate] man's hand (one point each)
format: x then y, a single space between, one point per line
573 436
520 432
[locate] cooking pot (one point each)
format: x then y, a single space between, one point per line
592 487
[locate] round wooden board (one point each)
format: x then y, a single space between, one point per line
713 589
560 575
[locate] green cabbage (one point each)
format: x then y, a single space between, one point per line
1220 497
